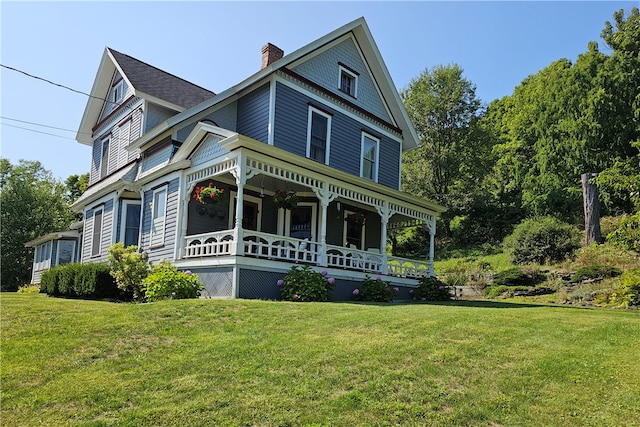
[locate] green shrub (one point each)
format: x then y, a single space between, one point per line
129 267
627 235
629 292
90 280
517 276
595 272
49 282
166 282
66 278
304 284
29 289
606 254
498 290
376 290
542 240
432 289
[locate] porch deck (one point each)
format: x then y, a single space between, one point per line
292 250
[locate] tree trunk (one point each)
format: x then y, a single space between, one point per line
591 209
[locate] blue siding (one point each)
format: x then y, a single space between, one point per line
323 69
290 133
108 225
253 114
225 118
156 115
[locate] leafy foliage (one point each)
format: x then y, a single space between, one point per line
541 240
432 289
32 204
595 271
89 280
518 276
29 289
129 267
304 284
375 290
166 282
628 233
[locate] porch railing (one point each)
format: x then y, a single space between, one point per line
281 248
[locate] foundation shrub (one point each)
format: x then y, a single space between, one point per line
304 284
432 289
166 282
375 290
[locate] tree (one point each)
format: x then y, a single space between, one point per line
443 107
76 185
32 204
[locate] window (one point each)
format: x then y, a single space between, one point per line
251 212
96 235
104 157
117 91
66 249
369 163
158 214
353 233
130 223
318 135
348 82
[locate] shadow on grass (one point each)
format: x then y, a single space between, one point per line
465 303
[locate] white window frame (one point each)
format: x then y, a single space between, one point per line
42 256
123 218
158 224
117 91
93 232
73 250
246 198
376 160
284 220
344 229
104 157
354 89
312 111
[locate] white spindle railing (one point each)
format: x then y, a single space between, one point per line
271 246
209 244
402 267
341 257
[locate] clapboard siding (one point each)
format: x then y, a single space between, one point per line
290 133
253 114
156 159
324 70
107 232
156 115
225 117
157 254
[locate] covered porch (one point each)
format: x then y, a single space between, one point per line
338 221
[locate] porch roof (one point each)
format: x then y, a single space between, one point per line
52 236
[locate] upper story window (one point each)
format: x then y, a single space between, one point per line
117 91
104 157
318 135
348 81
369 163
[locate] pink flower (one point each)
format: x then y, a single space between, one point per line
188 273
441 288
331 280
378 279
324 272
396 289
280 282
356 291
296 297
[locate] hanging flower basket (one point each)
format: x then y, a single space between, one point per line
285 199
358 219
208 195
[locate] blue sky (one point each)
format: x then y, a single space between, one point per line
217 44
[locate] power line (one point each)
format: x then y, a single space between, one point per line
37 131
41 125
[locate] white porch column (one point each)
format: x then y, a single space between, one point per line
325 197
183 213
385 214
432 237
241 179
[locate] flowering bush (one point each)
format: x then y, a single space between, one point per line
432 289
166 282
285 199
304 284
375 290
210 194
358 218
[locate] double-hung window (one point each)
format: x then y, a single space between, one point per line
104 157
96 234
348 81
117 91
318 135
369 162
158 215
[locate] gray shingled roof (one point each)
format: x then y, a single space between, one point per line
160 84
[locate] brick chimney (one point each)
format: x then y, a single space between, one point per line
270 54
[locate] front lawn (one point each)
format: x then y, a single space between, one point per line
240 362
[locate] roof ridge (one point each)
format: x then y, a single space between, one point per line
161 70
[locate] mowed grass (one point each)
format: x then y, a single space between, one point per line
240 362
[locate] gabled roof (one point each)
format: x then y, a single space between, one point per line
147 81
364 38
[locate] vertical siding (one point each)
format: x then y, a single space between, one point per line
171 223
291 117
253 114
323 69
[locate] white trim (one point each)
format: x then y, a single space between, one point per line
272 110
93 232
327 147
346 213
73 251
376 164
158 191
106 140
354 76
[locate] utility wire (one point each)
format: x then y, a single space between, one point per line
38 124
37 131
